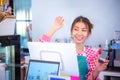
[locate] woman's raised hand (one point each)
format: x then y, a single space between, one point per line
57 24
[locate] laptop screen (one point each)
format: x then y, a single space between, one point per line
40 70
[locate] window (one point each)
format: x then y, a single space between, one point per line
22 11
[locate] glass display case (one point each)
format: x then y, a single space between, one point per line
10 57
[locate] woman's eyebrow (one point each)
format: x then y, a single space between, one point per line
76 27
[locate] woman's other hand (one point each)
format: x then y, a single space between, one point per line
102 66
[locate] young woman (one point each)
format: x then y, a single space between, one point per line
89 66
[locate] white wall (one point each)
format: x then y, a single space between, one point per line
104 14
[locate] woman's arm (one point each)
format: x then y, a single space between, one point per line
57 24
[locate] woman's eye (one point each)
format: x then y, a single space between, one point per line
84 30
75 29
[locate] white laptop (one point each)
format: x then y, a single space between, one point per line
64 53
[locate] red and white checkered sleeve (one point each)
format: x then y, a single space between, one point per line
92 57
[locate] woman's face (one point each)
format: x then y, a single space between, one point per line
79 33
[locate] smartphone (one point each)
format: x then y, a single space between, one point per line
103 56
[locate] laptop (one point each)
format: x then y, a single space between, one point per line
40 70
65 53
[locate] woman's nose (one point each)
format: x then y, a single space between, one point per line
79 32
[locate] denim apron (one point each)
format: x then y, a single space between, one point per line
83 68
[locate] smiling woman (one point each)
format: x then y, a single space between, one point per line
87 57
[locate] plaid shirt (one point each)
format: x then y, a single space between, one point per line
91 58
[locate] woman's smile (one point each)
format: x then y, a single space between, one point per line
79 38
